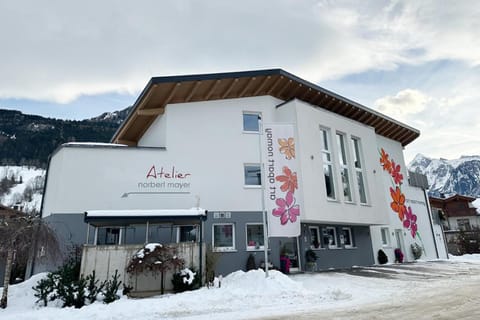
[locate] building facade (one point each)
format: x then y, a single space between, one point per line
194 141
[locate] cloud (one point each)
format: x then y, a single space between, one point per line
405 102
59 50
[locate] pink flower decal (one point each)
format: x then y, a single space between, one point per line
410 222
396 175
287 209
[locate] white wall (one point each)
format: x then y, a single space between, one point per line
317 207
415 198
205 139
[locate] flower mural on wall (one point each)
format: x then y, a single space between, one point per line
289 180
398 202
405 214
287 209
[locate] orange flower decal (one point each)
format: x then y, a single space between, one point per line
287 147
289 180
385 162
398 203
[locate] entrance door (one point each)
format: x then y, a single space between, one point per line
291 250
399 239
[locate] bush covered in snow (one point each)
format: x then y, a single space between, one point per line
186 280
66 286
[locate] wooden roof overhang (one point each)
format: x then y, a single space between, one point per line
161 91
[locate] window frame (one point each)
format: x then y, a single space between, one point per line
359 170
251 113
465 224
316 229
187 225
328 163
335 242
350 235
254 248
245 165
385 243
118 236
344 169
223 249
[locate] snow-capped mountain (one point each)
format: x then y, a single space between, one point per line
448 177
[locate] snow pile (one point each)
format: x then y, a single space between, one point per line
149 247
188 275
250 295
471 258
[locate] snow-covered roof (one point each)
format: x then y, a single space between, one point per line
142 215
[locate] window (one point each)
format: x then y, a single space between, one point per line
327 164
223 237
252 174
342 158
254 236
108 236
385 237
347 237
357 151
251 122
187 234
463 224
314 237
330 237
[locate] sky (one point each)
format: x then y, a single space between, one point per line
416 61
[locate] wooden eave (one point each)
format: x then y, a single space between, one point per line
161 91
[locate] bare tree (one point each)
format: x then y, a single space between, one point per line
18 235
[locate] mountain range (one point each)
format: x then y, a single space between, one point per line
30 139
447 177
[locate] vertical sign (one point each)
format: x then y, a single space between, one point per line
281 185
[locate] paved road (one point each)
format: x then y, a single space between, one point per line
438 292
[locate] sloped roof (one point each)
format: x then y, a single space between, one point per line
278 83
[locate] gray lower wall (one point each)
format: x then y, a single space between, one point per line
72 231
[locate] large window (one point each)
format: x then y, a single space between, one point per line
255 236
108 236
251 122
330 237
327 164
343 159
347 237
223 237
252 174
314 237
187 234
357 153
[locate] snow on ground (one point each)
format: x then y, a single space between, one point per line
29 177
250 295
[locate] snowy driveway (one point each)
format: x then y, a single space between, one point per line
422 290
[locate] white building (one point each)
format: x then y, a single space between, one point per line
193 141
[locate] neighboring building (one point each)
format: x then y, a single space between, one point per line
193 141
458 214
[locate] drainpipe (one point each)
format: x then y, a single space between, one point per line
200 269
